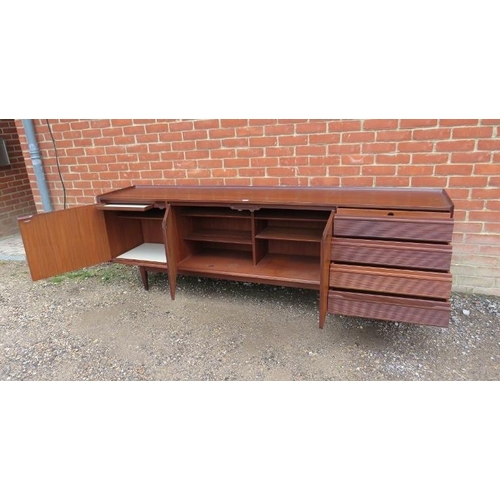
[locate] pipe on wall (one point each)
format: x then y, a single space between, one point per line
36 158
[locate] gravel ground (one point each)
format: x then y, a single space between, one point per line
100 324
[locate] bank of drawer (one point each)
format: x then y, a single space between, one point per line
391 281
392 228
407 310
436 257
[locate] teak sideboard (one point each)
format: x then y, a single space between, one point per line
370 252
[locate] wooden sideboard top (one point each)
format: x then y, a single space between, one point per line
311 197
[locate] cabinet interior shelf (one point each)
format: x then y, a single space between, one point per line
153 214
295 215
291 270
291 234
216 212
221 236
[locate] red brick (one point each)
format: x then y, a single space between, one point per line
472 132
80 125
266 181
495 121
380 124
221 133
263 141
323 160
326 181
252 172
279 129
197 155
292 120
491 145
487 169
357 159
357 181
264 162
235 143
415 146
146 138
123 139
493 205
378 170
309 150
209 144
183 146
344 126
180 126
133 130
394 135
121 122
222 153
324 138
265 121
428 182
344 171
152 147
224 172
248 131
280 171
392 159
337 149
431 133
480 157
486 194
418 123
316 171
455 145
469 181
172 155
430 158
279 151
358 137
454 123
379 147
310 128
293 140
392 181
237 163
206 124
191 135
455 169
288 161
234 123
250 152
210 163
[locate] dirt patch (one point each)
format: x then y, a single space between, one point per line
100 324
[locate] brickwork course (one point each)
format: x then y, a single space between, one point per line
460 155
16 198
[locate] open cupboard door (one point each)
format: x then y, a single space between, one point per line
65 240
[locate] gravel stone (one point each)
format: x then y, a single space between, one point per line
100 324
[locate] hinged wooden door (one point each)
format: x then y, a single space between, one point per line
65 240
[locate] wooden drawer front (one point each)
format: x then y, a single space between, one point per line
394 281
390 228
423 312
434 257
405 214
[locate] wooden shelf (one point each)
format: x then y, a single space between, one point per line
147 252
277 269
221 236
154 214
291 234
215 212
298 215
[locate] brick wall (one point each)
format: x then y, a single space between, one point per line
462 156
16 198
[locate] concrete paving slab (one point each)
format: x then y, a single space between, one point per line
12 248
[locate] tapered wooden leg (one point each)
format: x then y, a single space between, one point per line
144 277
